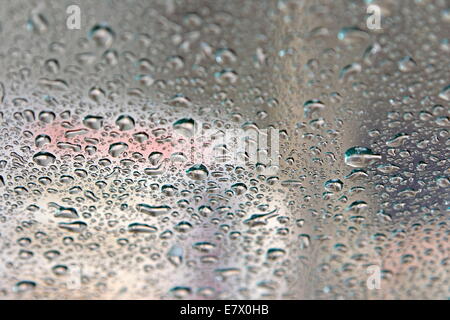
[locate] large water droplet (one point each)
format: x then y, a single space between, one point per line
116 149
360 157
197 172
125 122
141 228
185 127
93 122
44 158
41 140
155 157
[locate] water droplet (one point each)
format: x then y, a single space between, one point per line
37 23
239 188
312 106
185 127
352 34
102 35
197 172
445 93
153 211
155 157
44 158
24 286
141 228
42 140
275 253
125 122
183 226
93 122
226 76
407 64
47 116
175 255
225 56
76 226
180 100
360 157
334 185
305 241
116 149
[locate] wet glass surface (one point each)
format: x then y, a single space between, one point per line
224 150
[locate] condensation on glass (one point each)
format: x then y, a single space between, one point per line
224 149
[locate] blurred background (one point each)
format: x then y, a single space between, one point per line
108 191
